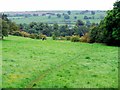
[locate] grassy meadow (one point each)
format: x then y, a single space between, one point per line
30 63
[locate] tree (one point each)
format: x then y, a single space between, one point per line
49 17
66 16
59 15
5 28
112 25
93 12
79 23
13 27
108 31
69 12
75 17
85 17
88 23
56 29
4 17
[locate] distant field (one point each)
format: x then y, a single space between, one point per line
58 64
55 19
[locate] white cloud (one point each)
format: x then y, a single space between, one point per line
28 5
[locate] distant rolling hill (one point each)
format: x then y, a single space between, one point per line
60 17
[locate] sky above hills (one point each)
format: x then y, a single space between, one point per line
34 5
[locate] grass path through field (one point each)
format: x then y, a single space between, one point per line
57 64
39 78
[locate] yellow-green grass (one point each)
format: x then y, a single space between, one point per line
30 63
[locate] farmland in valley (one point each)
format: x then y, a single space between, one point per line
56 16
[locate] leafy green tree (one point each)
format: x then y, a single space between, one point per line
56 29
86 17
69 12
66 16
13 27
59 15
112 25
108 31
75 17
88 23
79 23
93 12
4 25
5 28
4 17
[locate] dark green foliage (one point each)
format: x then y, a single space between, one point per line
56 29
109 29
59 15
112 25
80 30
79 23
49 17
93 12
0 28
4 17
75 39
88 23
5 28
93 34
69 12
75 17
13 27
54 37
66 16
85 17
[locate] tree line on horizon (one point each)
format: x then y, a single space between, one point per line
108 31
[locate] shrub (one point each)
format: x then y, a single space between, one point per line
21 33
33 36
61 38
85 38
38 36
17 33
68 37
75 39
25 34
54 37
43 37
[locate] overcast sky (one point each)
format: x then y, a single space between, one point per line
33 5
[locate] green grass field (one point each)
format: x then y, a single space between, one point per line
29 63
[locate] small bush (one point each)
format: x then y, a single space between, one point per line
25 34
85 38
21 33
38 37
68 37
33 36
54 37
61 38
17 33
43 37
75 39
